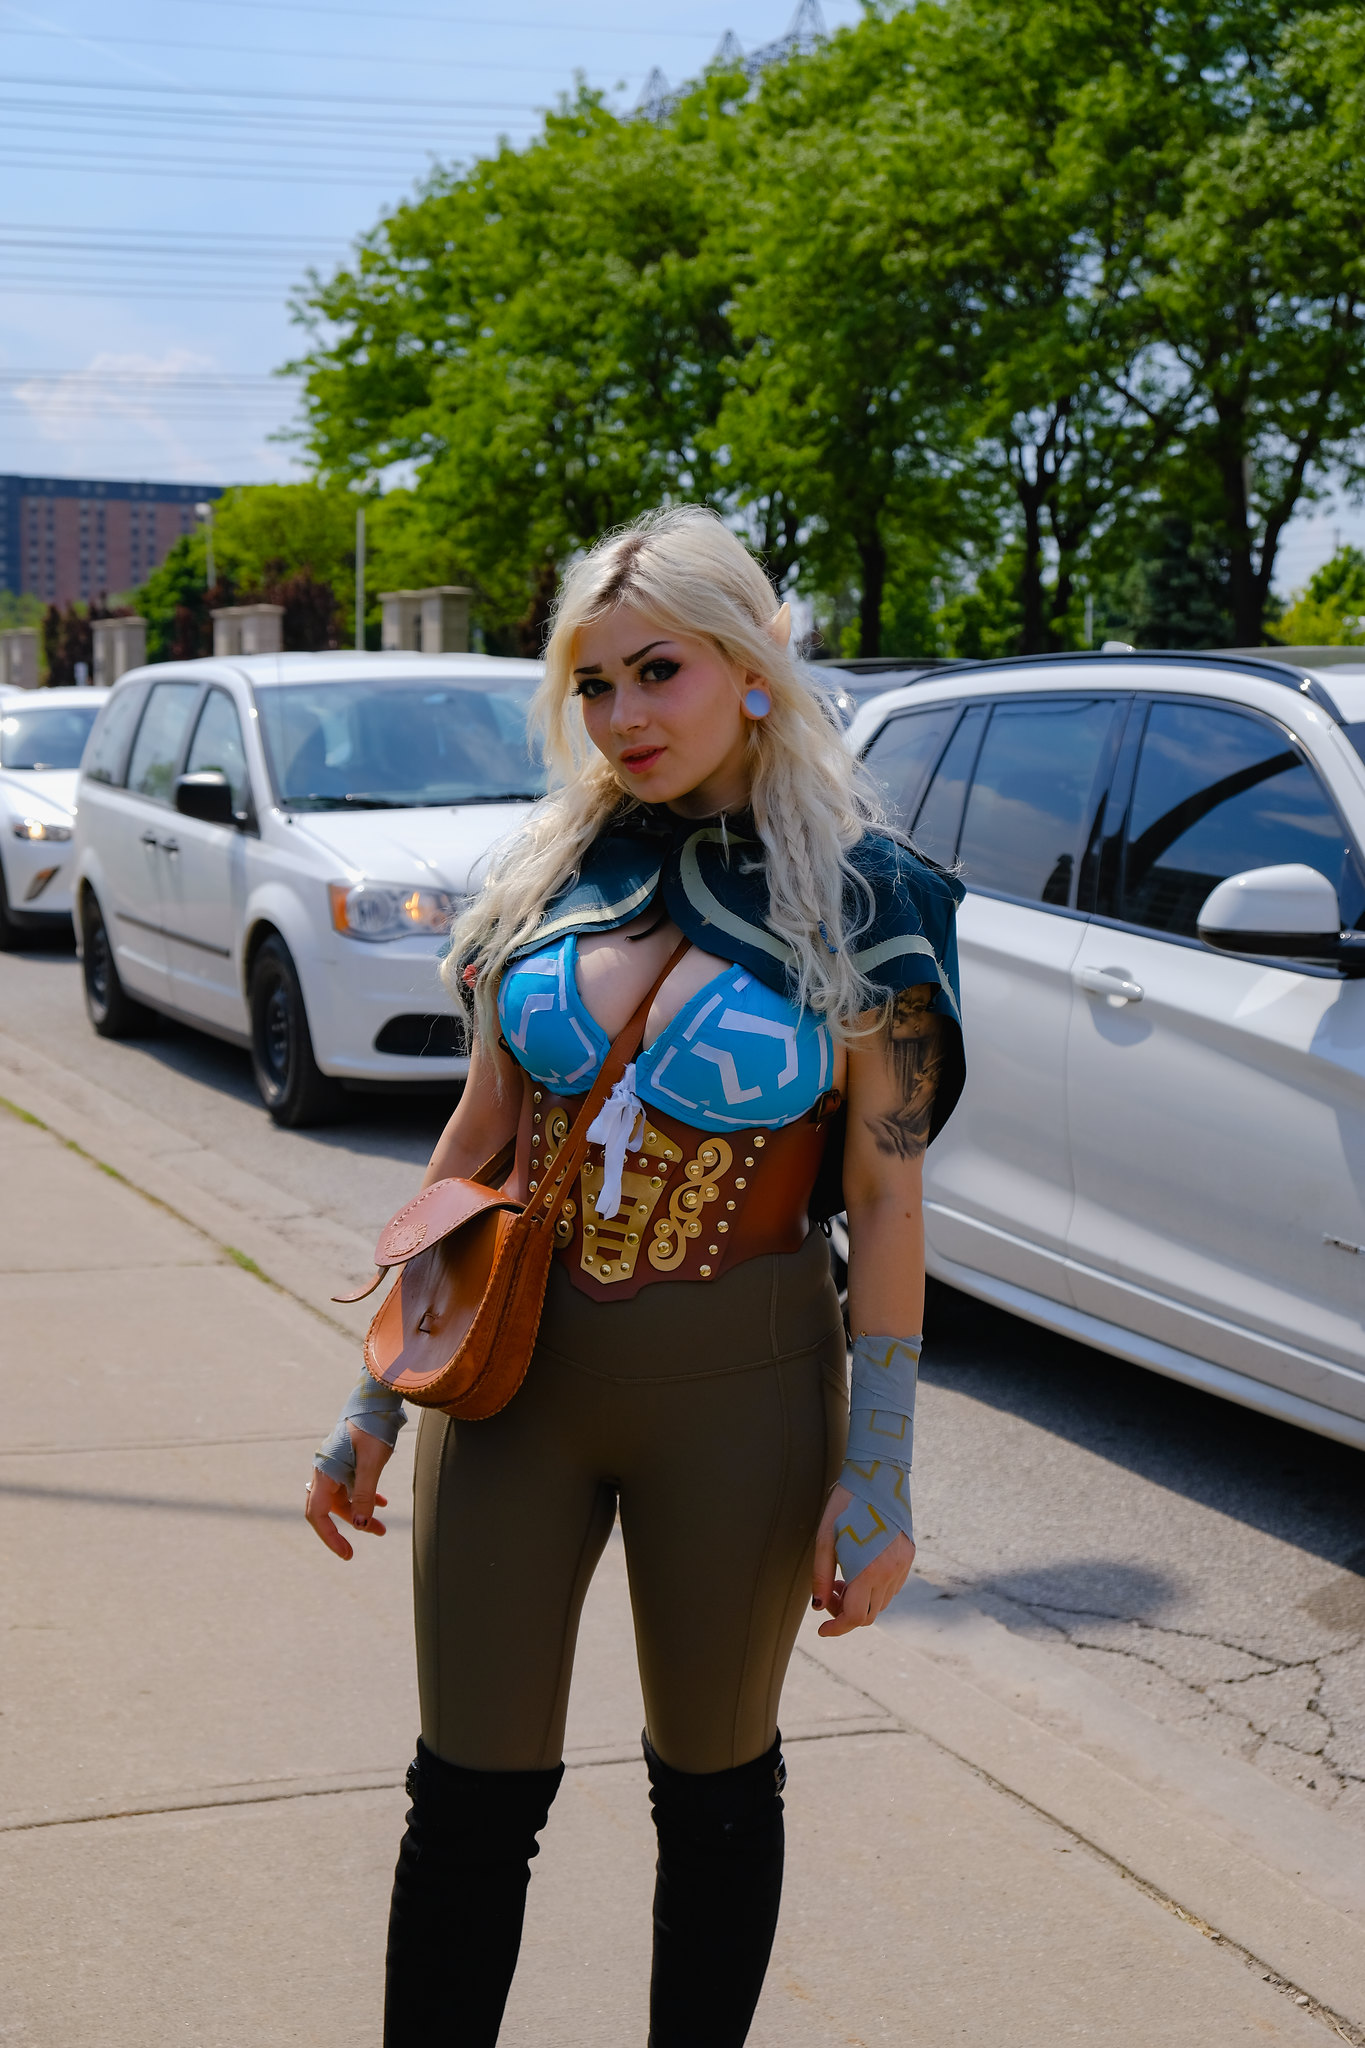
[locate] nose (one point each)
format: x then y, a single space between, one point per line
629 710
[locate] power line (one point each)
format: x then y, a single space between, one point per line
213 238
279 174
330 126
421 62
184 379
461 20
257 93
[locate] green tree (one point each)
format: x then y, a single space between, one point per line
542 337
1330 612
1254 299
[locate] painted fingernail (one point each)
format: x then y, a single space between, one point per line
360 1521
817 1602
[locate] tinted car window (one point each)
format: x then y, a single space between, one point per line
1218 792
903 753
403 741
935 828
108 749
160 737
217 743
45 736
1033 796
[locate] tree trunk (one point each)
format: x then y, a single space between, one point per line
1034 637
872 560
1246 599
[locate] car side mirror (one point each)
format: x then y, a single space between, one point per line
206 796
1288 912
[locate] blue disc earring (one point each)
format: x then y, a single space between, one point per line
757 703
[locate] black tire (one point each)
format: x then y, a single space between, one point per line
292 1085
110 1008
9 930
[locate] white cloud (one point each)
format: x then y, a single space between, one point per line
170 416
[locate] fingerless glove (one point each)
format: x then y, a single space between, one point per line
881 1435
375 1409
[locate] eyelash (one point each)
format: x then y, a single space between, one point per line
660 670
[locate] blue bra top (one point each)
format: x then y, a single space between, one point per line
737 1053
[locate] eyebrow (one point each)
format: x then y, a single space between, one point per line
593 668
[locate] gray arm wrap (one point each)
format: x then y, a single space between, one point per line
881 1437
376 1410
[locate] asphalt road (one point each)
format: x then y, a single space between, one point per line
1207 1562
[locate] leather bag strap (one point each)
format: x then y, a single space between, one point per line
624 1047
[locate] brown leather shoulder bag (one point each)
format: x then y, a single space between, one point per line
457 1328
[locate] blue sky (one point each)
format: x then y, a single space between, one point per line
170 167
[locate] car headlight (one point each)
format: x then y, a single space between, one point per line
39 828
389 910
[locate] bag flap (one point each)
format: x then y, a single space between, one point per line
445 1206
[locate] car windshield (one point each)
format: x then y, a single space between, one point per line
45 735
400 743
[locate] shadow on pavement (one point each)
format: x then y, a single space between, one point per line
1303 1489
383 1121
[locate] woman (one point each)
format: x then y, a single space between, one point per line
691 1367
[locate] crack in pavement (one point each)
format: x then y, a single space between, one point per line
1267 1725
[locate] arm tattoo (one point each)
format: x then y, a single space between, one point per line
914 1042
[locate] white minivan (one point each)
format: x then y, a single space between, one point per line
1161 1145
273 847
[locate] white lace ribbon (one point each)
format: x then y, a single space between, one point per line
618 1125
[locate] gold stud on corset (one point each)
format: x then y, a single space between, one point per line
740 1181
705 1272
759 1140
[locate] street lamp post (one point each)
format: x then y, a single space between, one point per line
204 512
360 580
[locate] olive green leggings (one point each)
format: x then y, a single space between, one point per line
715 1416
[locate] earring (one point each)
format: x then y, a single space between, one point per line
757 703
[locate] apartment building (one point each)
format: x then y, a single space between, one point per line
67 538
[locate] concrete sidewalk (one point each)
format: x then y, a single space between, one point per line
206 1720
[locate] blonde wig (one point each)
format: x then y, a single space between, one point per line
810 800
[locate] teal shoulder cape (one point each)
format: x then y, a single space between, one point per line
711 878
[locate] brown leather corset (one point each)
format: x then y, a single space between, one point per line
693 1203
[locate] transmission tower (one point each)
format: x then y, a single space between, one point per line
805 32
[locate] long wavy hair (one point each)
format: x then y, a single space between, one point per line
810 800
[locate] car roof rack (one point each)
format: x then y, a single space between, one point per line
1271 665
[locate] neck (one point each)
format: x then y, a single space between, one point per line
724 792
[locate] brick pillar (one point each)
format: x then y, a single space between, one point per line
402 621
445 619
120 644
248 629
19 658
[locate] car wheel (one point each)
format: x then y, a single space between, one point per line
9 931
110 1008
292 1085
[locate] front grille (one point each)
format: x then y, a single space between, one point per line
429 1037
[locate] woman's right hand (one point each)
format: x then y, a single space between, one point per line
327 1497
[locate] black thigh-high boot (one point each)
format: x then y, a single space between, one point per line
716 1895
459 1897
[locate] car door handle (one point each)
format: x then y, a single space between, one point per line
173 846
1113 982
150 839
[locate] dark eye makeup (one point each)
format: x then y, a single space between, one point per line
660 669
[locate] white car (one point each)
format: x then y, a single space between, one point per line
273 848
42 737
1161 1145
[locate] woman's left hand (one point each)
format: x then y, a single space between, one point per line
857 1603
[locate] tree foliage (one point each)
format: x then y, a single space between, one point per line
978 306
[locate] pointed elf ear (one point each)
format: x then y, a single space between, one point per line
780 626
